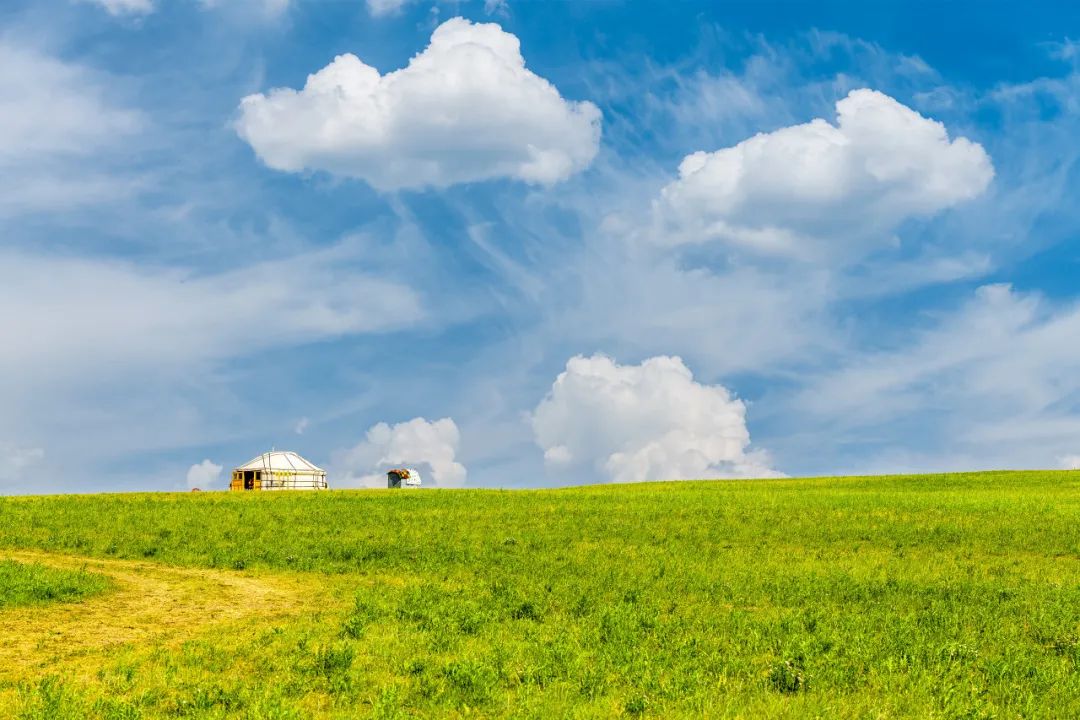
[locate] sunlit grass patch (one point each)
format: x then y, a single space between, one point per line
23 584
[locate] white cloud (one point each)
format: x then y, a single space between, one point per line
264 9
953 357
381 8
204 475
125 7
84 333
465 109
1070 462
82 317
301 425
268 9
15 460
58 123
429 446
384 8
821 190
995 383
642 305
275 8
651 421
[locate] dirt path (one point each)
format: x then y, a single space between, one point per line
152 604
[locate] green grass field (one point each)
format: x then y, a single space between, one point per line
23 584
949 596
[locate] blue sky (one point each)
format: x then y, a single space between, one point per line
567 243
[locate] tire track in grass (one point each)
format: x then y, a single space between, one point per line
152 605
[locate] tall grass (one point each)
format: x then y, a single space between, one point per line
35 584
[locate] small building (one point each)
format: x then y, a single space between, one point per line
402 477
278 470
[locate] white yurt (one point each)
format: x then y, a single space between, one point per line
402 478
278 470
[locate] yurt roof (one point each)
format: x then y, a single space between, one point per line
280 460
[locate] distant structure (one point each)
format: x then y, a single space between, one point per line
402 477
278 470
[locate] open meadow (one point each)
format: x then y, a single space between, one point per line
950 596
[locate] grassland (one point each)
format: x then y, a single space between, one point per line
951 596
23 584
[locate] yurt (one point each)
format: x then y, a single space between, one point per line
278 470
402 477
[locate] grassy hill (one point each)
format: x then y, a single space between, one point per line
924 596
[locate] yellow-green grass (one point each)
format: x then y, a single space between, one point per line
920 596
24 584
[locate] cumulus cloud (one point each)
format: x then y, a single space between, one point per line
301 425
651 421
465 109
430 447
203 475
821 189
